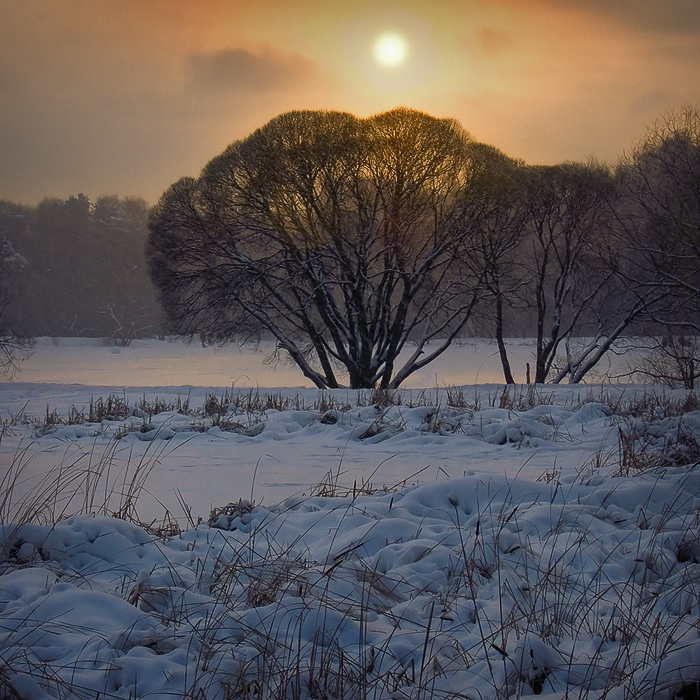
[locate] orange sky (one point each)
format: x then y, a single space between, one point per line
126 96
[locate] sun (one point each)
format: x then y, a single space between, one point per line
390 49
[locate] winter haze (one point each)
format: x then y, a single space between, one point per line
125 96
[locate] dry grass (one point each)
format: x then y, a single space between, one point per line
522 597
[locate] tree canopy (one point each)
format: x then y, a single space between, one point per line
342 237
365 246
659 182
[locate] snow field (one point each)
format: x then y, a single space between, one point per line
214 446
461 588
461 542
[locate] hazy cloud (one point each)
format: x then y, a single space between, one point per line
125 96
238 69
648 15
494 41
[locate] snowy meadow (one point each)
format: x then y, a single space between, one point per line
179 521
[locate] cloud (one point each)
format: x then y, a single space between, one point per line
494 41
241 70
131 116
678 16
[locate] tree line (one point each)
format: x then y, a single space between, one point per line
76 268
366 246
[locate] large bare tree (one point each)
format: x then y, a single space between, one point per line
344 238
495 210
660 218
565 254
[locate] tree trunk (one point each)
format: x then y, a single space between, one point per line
505 363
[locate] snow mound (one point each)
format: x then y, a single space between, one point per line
469 587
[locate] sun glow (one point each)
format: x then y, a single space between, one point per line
390 49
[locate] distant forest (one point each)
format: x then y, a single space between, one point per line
82 270
83 273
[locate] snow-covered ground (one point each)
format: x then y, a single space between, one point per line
94 361
294 453
456 541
